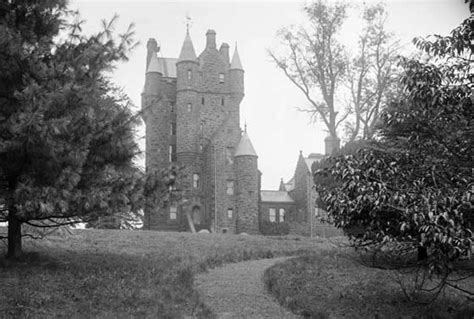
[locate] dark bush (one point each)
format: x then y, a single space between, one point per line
269 228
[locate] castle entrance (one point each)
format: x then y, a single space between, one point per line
196 213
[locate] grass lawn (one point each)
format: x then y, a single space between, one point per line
118 274
332 284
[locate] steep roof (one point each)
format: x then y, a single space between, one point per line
245 146
236 64
187 50
169 67
276 196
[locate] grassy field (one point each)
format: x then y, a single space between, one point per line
123 274
332 284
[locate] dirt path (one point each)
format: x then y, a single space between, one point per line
237 291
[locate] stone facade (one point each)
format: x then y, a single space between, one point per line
191 109
298 200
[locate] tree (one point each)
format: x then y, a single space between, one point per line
372 74
409 193
316 61
66 133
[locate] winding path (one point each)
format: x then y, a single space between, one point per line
237 291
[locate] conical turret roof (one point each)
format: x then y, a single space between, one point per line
187 50
245 146
236 64
155 65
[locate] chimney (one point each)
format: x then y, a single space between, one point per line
211 39
224 51
331 145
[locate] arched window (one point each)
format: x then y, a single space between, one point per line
190 74
190 107
282 215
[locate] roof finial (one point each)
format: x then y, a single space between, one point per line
188 23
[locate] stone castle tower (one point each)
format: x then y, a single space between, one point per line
191 109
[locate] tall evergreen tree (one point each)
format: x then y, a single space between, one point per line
66 133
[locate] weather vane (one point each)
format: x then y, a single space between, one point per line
188 22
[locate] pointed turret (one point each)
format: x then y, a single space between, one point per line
187 50
236 64
155 65
247 175
153 76
245 147
236 75
187 66
282 187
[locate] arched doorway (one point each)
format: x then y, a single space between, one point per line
196 213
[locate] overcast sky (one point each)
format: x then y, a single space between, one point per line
277 130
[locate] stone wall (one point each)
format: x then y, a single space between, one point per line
247 194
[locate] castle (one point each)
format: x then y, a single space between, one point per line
191 109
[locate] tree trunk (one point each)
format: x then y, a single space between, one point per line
14 234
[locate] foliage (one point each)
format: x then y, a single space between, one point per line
110 274
409 191
66 133
269 228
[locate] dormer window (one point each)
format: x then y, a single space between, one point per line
221 77
190 74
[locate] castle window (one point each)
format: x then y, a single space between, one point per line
201 127
201 148
230 213
173 128
272 214
222 102
190 74
195 180
229 155
172 153
281 215
230 188
173 211
189 107
202 100
221 77
172 107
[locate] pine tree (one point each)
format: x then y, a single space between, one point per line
66 133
